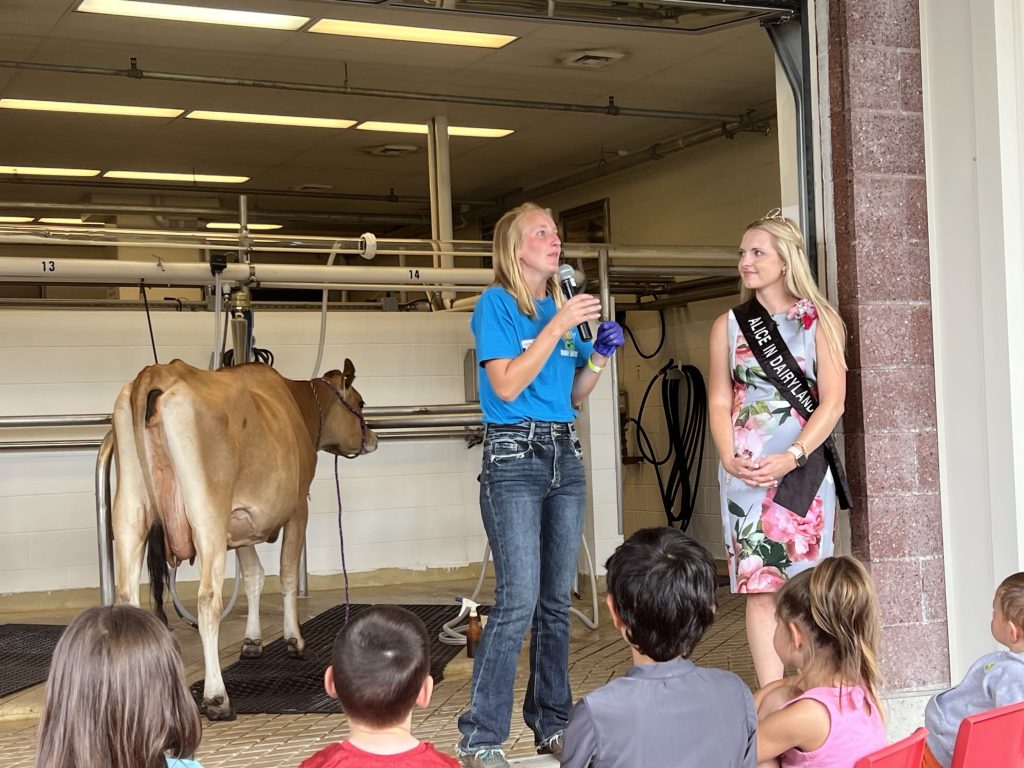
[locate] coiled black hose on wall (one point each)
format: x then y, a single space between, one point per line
685 400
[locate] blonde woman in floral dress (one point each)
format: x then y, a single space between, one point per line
760 438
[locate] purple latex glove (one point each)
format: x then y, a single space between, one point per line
609 338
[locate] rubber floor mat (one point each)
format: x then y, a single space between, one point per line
25 652
278 684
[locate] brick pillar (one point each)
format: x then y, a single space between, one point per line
884 295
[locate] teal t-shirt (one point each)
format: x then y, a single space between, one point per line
180 762
503 332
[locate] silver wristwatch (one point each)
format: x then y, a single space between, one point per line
797 449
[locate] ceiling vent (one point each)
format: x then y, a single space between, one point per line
591 59
393 150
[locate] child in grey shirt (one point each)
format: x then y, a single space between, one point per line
994 680
665 711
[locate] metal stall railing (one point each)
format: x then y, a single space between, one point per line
389 422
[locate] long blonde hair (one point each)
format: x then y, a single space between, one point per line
788 242
116 694
836 606
508 273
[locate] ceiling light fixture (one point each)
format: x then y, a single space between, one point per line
411 34
235 225
15 219
453 130
88 108
29 170
246 117
76 222
161 176
169 12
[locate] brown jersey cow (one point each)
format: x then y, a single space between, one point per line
211 461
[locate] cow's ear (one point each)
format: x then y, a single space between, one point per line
350 374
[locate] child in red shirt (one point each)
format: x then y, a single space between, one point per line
380 672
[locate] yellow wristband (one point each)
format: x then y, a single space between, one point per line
593 367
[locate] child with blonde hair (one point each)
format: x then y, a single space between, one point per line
827 716
994 680
116 696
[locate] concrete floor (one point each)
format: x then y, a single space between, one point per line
272 741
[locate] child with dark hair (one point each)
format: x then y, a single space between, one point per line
665 710
995 680
116 696
380 671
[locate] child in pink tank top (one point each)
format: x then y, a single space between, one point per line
827 716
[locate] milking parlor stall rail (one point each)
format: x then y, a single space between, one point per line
440 281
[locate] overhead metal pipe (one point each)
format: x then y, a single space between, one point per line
749 123
137 73
107 184
22 269
666 271
220 213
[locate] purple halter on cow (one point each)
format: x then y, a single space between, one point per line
211 461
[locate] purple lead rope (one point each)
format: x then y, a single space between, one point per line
341 534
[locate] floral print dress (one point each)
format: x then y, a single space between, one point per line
766 544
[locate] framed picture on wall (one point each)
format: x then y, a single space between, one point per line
588 223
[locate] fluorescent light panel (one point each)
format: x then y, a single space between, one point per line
15 219
169 12
235 225
162 176
411 34
89 109
77 222
246 117
453 130
29 170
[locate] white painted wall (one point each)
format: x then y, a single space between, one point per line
411 505
973 81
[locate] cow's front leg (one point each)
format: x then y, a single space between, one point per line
211 579
291 550
252 573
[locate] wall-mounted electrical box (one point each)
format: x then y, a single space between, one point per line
470 370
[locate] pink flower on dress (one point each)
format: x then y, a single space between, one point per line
739 393
748 439
801 535
743 354
754 576
805 311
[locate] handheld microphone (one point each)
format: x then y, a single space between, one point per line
567 277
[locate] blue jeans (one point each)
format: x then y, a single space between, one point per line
532 494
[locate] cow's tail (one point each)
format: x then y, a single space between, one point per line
156 561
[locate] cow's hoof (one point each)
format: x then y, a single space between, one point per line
251 649
294 651
219 708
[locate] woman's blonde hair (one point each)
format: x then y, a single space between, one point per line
788 242
116 695
508 273
835 604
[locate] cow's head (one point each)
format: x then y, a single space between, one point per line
344 430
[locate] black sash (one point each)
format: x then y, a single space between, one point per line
797 489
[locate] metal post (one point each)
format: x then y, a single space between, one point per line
439 158
104 534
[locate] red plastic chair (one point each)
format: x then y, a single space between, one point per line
990 739
905 753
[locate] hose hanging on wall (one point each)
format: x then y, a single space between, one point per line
686 412
622 321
